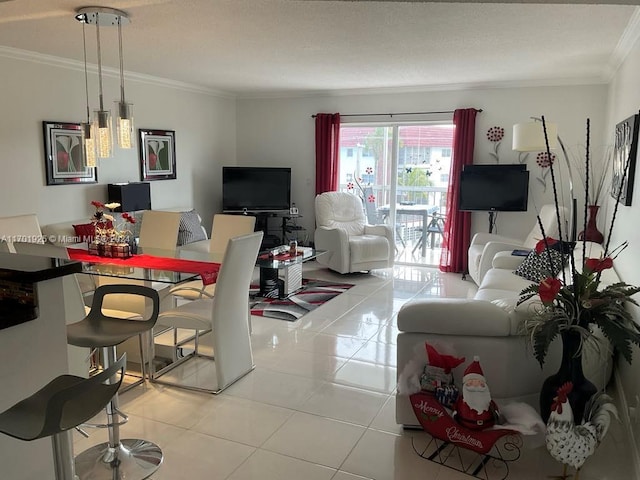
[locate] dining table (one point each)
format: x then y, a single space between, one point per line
424 211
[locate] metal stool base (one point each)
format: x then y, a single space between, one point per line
132 460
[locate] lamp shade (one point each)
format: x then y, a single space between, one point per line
529 136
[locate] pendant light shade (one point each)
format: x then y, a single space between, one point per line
88 138
125 110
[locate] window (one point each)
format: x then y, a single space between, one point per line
349 152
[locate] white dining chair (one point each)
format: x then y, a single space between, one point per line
225 227
159 232
227 315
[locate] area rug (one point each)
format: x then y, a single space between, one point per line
314 293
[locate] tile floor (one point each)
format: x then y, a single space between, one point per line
319 404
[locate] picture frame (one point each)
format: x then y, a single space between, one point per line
157 154
64 156
625 150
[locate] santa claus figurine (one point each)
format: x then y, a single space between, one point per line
474 409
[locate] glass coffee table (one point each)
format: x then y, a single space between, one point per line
281 275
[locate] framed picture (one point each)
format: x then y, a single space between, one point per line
157 154
63 155
625 149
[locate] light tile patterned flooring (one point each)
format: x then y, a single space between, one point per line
320 404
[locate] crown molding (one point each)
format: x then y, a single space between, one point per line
554 82
627 40
34 57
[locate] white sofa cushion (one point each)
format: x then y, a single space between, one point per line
335 214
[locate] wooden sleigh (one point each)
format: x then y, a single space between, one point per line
481 453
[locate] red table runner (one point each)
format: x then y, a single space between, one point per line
208 271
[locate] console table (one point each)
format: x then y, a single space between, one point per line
287 266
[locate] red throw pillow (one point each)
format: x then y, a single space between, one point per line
85 232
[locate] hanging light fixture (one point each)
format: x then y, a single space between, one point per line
102 124
125 110
88 139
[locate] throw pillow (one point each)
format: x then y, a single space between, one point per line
536 266
190 229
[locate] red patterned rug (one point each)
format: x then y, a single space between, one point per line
314 293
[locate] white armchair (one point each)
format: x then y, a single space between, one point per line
484 246
351 244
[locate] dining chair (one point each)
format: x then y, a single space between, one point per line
225 227
226 314
159 232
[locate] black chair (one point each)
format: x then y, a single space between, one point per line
132 459
64 403
435 227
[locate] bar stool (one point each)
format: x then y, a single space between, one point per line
64 403
130 459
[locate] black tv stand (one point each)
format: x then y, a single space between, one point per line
274 235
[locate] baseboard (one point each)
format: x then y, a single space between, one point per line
627 422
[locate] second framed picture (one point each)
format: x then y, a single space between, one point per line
157 154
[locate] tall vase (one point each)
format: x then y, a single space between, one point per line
570 370
592 234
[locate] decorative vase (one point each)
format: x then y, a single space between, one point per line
591 233
570 371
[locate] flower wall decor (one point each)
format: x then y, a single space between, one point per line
495 135
545 160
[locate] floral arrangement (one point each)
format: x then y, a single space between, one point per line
106 232
577 301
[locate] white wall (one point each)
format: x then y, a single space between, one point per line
280 132
624 101
34 92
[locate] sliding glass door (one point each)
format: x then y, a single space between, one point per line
401 172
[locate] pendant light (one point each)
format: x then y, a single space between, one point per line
88 139
125 110
102 124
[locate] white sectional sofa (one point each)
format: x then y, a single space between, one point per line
488 325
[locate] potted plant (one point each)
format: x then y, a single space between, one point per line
575 305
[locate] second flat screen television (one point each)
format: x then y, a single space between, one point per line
256 189
498 188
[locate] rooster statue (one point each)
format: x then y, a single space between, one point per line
572 444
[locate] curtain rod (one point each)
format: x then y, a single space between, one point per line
392 114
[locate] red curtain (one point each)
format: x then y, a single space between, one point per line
457 227
327 152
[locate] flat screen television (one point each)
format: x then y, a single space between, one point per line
256 189
497 188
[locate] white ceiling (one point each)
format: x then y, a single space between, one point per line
276 47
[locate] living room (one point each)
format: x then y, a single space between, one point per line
216 128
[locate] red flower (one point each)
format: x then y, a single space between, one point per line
548 289
371 198
153 161
63 161
128 218
369 170
97 204
541 245
598 264
350 186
